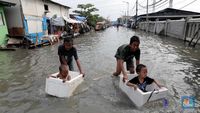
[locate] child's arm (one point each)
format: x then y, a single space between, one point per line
68 77
62 60
79 67
158 84
132 85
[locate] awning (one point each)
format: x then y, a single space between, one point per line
69 20
57 21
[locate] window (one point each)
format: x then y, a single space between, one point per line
1 19
46 8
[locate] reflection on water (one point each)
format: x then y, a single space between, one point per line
23 72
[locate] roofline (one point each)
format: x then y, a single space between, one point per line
181 10
171 16
60 4
5 3
171 9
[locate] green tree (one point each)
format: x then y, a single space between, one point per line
86 10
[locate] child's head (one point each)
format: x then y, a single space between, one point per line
141 70
134 43
63 71
68 43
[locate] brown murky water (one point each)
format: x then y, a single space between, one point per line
23 73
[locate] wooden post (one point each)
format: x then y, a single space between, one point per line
198 35
166 27
189 30
193 28
185 29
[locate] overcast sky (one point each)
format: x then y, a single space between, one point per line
113 9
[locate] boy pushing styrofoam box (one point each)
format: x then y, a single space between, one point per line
59 88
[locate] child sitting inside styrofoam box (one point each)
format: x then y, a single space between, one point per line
63 73
142 80
63 83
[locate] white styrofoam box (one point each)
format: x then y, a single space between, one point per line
56 87
138 97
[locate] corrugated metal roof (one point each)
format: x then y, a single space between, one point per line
171 12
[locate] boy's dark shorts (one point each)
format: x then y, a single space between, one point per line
129 63
71 67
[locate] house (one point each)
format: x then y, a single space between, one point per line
29 19
3 24
173 23
169 13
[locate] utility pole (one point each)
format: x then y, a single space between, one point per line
147 23
170 3
127 11
136 15
154 4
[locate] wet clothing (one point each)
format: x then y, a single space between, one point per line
124 52
142 86
68 55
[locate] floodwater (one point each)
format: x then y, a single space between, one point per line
23 73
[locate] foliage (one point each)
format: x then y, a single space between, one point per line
87 11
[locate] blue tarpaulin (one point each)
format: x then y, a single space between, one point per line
80 18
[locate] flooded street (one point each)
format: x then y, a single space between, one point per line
23 73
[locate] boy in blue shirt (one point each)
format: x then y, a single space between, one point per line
142 80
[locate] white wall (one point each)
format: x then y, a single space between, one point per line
36 8
34 11
160 26
56 9
32 8
172 28
53 9
176 29
65 11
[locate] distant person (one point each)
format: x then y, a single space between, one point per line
63 73
142 80
66 52
126 53
117 27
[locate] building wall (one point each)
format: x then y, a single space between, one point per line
56 9
13 15
3 27
36 8
170 28
53 9
174 28
192 30
159 29
30 8
34 17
